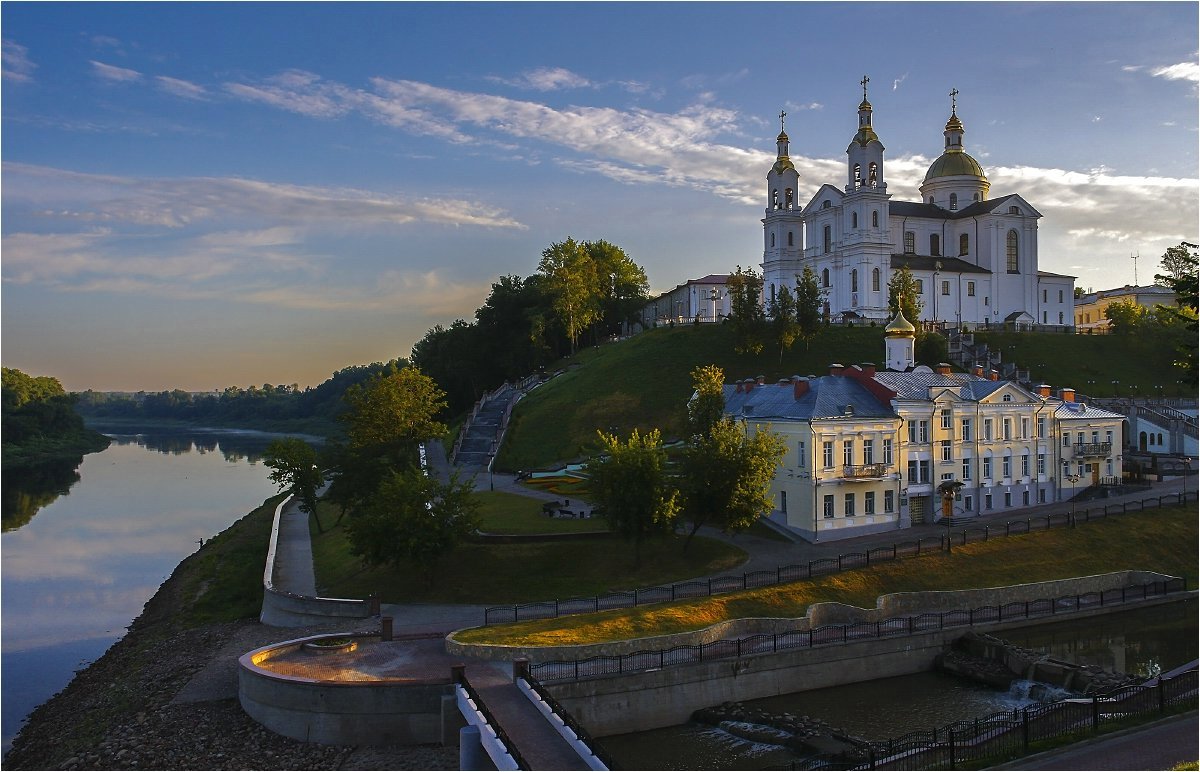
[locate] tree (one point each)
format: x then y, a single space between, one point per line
1124 316
412 517
622 287
931 349
571 280
1178 264
808 305
784 326
708 405
293 464
727 475
903 295
394 412
746 311
631 487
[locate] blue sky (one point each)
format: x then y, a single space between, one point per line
197 196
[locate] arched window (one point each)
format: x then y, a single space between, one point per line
854 219
964 244
826 204
827 238
790 239
931 199
854 280
1014 210
825 278
857 176
953 201
1014 264
787 198
910 243
975 197
875 280
772 240
873 174
875 219
775 199
935 245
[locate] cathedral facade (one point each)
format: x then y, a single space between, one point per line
974 257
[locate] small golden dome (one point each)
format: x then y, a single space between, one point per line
900 327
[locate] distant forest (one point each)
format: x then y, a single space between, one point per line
313 410
40 422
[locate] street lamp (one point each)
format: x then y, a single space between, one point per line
949 491
1073 478
1115 384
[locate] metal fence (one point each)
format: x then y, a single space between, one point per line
460 678
595 667
1012 733
700 588
569 721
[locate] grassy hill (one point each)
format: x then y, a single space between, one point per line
644 382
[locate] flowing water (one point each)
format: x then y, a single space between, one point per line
84 549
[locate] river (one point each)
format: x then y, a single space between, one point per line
83 549
1142 642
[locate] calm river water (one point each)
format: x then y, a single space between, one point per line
1144 642
83 550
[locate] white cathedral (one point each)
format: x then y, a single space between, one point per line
975 258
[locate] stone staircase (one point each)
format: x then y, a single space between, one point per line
480 438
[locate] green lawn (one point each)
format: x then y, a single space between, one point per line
1163 540
502 512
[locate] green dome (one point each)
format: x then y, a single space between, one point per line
954 163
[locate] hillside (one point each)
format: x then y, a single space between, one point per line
644 382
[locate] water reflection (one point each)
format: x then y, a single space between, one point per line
27 490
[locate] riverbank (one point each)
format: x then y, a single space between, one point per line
165 695
40 451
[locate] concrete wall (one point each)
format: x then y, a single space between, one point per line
668 697
383 712
819 614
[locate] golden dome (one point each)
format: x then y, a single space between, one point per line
899 327
954 163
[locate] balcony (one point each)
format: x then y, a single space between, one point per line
863 471
1092 448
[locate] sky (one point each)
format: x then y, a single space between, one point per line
197 196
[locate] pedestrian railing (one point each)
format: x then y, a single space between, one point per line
700 588
657 659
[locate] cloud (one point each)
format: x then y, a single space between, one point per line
115 74
17 66
180 88
1182 71
896 83
546 79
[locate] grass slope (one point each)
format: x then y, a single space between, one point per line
1158 540
644 382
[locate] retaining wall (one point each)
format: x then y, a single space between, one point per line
390 711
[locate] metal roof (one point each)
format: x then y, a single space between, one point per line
828 397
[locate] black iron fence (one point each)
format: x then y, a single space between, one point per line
595 667
1013 733
569 721
460 678
700 588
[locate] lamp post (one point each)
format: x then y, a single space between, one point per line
949 490
1115 384
1073 478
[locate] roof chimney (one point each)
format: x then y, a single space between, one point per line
943 368
1068 395
978 369
1043 390
760 380
784 382
868 369
800 387
994 375
836 369
737 387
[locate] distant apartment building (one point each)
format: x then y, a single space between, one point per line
1089 308
874 450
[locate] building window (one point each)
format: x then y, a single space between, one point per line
1060 317
787 198
1060 296
953 201
987 467
1007 499
935 245
868 451
873 174
854 219
1066 439
1024 464
828 507
910 243
854 280
918 431
828 238
1024 428
1006 466
801 455
946 451
1014 210
889 502
1041 495
874 279
966 430
1041 426
1044 296
968 502
966 472
987 430
970 289
887 451
945 288
964 244
825 278
772 240
875 219
848 452
913 474
987 501
849 505
920 286
869 503
827 454
1108 467
1007 426
783 502
947 421
826 204
791 243
1013 256
1041 464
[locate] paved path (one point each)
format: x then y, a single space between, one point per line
1161 745
293 552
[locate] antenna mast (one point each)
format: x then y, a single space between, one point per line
1134 257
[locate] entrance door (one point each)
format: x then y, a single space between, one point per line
918 507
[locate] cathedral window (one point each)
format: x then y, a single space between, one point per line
964 244
787 198
975 197
828 238
953 201
931 199
790 240
826 204
1013 254
970 289
775 199
875 219
857 176
935 245
1014 210
873 174
910 243
772 240
854 219
875 280
945 288
825 282
854 280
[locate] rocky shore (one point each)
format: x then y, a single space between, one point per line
166 698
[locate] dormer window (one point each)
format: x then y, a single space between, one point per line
1014 210
826 204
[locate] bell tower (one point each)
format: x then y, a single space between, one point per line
783 226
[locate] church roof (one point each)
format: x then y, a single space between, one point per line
927 263
954 163
932 211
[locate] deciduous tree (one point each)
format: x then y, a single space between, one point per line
394 412
784 326
293 464
746 311
708 405
903 295
571 279
808 305
630 485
